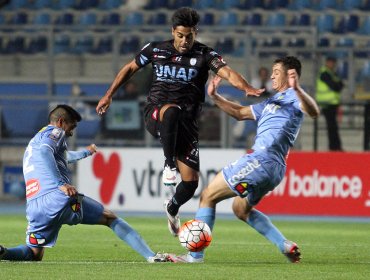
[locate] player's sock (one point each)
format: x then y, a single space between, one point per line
261 223
125 232
206 215
168 134
19 253
184 192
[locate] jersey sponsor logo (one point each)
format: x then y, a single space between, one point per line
55 134
244 172
193 61
174 72
32 187
159 56
36 239
241 188
176 58
271 108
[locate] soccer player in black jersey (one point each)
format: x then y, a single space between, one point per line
180 72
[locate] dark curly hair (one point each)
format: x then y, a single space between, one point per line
186 17
290 62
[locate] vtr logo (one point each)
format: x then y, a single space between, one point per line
175 73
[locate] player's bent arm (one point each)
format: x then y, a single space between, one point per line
238 81
122 77
308 104
233 109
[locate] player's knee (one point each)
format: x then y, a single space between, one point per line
108 217
240 208
172 113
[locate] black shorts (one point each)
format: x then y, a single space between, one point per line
187 148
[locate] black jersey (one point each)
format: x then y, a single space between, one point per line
178 78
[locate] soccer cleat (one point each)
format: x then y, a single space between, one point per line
169 176
173 221
2 251
159 257
186 258
291 251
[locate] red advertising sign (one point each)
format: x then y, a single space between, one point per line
333 184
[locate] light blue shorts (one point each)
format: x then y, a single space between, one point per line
47 214
253 175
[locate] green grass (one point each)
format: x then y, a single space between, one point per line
331 250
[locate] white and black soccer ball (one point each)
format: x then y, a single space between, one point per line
195 235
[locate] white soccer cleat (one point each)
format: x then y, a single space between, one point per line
186 258
159 257
173 221
169 176
291 251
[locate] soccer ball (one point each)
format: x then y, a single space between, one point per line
195 235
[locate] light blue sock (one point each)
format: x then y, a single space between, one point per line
261 223
19 253
208 216
125 232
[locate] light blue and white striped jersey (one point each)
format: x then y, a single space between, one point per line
279 119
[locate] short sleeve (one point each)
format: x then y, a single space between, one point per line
257 110
214 60
144 57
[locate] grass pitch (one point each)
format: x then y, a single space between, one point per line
330 250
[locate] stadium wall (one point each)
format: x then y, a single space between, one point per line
320 184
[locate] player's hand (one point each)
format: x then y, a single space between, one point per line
213 85
293 79
92 148
103 104
254 91
68 189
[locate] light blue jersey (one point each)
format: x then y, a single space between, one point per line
45 162
278 121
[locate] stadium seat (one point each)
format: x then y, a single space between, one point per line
207 19
365 27
347 5
38 44
181 3
131 44
226 5
275 19
276 4
204 4
323 42
41 4
253 20
65 19
325 23
158 19
17 4
19 18
157 4
297 42
299 5
15 45
225 45
111 4
87 4
133 19
87 18
323 5
301 20
105 45
348 23
228 19
84 45
112 19
63 4
62 43
42 18
251 5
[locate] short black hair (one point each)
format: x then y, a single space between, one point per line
186 17
290 62
61 110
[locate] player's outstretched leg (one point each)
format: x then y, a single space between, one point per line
19 253
126 233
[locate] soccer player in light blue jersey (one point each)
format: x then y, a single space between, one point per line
52 200
252 176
